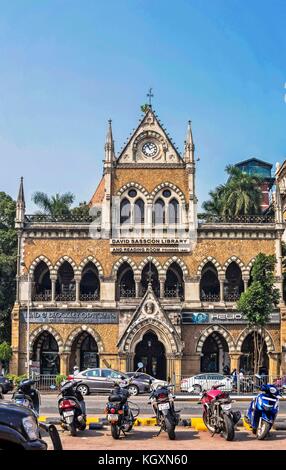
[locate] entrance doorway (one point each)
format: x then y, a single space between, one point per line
151 352
215 356
46 354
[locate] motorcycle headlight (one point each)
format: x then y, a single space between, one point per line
226 406
31 427
272 390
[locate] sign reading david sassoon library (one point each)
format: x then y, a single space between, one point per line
70 316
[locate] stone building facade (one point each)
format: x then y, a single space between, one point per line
143 278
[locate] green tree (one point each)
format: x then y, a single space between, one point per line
57 206
8 257
241 195
257 302
82 210
5 354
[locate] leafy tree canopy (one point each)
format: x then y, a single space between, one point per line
240 195
56 206
8 256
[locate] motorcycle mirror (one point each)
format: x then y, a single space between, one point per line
140 365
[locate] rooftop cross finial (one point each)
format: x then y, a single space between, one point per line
150 96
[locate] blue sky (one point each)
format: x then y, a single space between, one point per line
67 66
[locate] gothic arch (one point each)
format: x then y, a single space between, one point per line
119 262
37 261
171 186
81 329
215 329
249 265
91 259
164 332
62 260
209 259
49 329
268 339
180 262
154 261
236 260
133 185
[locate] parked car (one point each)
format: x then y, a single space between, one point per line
145 379
19 428
206 382
102 380
6 385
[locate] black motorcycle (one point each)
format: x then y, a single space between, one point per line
119 414
162 400
71 407
27 396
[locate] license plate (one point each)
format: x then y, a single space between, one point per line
163 406
112 417
68 413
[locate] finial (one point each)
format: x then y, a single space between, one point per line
150 96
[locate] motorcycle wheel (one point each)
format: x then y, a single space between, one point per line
262 430
228 428
170 428
208 426
129 426
115 431
72 429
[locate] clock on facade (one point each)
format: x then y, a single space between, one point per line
150 149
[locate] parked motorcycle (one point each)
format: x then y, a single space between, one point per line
263 410
162 401
71 407
28 396
119 414
218 415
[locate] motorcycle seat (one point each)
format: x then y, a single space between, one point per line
118 398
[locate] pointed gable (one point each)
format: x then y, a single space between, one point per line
149 143
98 195
150 312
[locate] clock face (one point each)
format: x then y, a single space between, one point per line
149 149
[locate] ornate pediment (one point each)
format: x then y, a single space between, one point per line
149 144
150 313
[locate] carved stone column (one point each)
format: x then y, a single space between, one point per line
245 278
77 279
53 284
221 279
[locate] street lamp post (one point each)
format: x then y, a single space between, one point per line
28 323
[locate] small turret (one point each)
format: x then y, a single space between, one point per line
109 146
189 153
20 206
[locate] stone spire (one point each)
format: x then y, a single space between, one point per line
109 144
189 145
20 206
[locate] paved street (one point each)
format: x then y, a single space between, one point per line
95 405
144 438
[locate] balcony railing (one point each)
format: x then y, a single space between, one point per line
89 296
210 297
240 219
232 296
173 293
70 218
126 293
66 297
43 296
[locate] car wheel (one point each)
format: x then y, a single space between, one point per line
83 389
133 390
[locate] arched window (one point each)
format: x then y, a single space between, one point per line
159 212
84 352
209 284
215 354
125 284
174 284
42 283
139 211
233 285
173 211
125 212
89 284
65 285
46 353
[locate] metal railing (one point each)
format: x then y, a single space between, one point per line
44 381
240 219
69 218
89 296
232 296
210 297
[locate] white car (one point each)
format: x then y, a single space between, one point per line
206 382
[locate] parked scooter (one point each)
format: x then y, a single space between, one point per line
71 407
263 410
218 415
162 401
28 396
